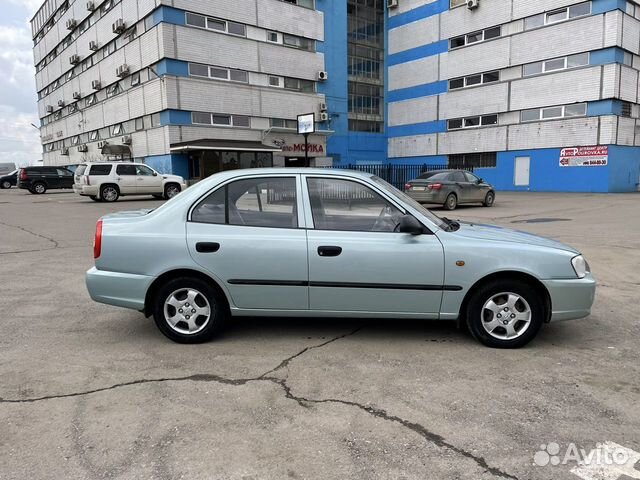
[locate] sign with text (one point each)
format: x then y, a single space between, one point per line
306 123
597 156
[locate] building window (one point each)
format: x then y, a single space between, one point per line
238 76
552 113
301 3
241 121
471 80
366 126
139 124
117 130
113 90
215 24
272 37
556 64
475 37
197 70
458 3
218 73
299 85
198 118
555 16
73 108
196 20
75 140
298 42
135 79
473 160
90 100
237 29
472 122
221 119
284 123
95 135
274 81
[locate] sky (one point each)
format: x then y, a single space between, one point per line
19 141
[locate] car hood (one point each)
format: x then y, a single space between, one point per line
501 234
176 178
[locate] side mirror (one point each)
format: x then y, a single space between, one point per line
409 224
155 174
480 180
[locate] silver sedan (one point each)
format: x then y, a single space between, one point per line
329 243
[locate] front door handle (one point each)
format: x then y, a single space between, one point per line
329 251
207 247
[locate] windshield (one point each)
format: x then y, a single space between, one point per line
403 197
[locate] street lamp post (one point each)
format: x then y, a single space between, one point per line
306 126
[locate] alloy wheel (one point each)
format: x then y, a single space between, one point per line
187 311
506 316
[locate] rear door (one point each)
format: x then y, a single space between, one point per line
247 234
464 187
127 178
51 177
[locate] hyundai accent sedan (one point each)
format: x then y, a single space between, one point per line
329 243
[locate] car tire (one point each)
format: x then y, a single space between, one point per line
489 200
5 185
451 203
95 198
171 190
109 193
38 188
495 327
176 298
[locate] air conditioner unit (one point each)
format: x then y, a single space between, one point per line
64 151
83 148
122 71
323 107
324 117
77 95
392 3
61 103
93 45
323 76
126 140
74 59
473 4
71 24
102 144
95 84
118 26
49 108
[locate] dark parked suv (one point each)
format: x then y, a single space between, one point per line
40 179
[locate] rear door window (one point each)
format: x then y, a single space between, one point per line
100 170
459 177
126 170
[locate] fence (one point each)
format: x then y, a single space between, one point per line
396 175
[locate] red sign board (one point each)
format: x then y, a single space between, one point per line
597 156
299 147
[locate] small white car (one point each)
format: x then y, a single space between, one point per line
108 181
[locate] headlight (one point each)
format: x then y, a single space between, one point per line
580 266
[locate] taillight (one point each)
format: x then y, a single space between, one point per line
435 186
407 187
87 180
97 241
23 174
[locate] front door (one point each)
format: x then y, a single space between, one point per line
148 181
126 177
358 263
479 187
247 235
65 178
521 176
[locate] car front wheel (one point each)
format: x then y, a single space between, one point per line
188 310
171 191
489 200
6 185
505 314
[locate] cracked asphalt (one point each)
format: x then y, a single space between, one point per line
90 391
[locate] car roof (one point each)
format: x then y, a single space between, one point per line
221 176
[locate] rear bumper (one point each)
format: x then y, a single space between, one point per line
125 290
571 299
86 190
428 196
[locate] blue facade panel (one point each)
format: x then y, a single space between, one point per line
176 164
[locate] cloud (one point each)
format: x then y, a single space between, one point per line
19 141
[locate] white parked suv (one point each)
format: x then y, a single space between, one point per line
108 181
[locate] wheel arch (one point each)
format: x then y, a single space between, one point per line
535 283
181 272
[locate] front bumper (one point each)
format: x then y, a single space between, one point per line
125 290
571 299
86 190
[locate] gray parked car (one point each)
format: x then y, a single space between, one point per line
451 188
329 243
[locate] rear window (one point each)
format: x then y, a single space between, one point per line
434 176
80 170
100 170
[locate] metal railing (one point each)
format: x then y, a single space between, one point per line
396 175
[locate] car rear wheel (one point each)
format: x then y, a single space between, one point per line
171 191
109 193
489 199
188 310
39 188
6 185
451 202
505 314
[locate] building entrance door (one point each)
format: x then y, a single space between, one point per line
522 171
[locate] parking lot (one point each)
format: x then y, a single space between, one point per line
92 391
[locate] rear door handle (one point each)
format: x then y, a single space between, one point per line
329 251
207 247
